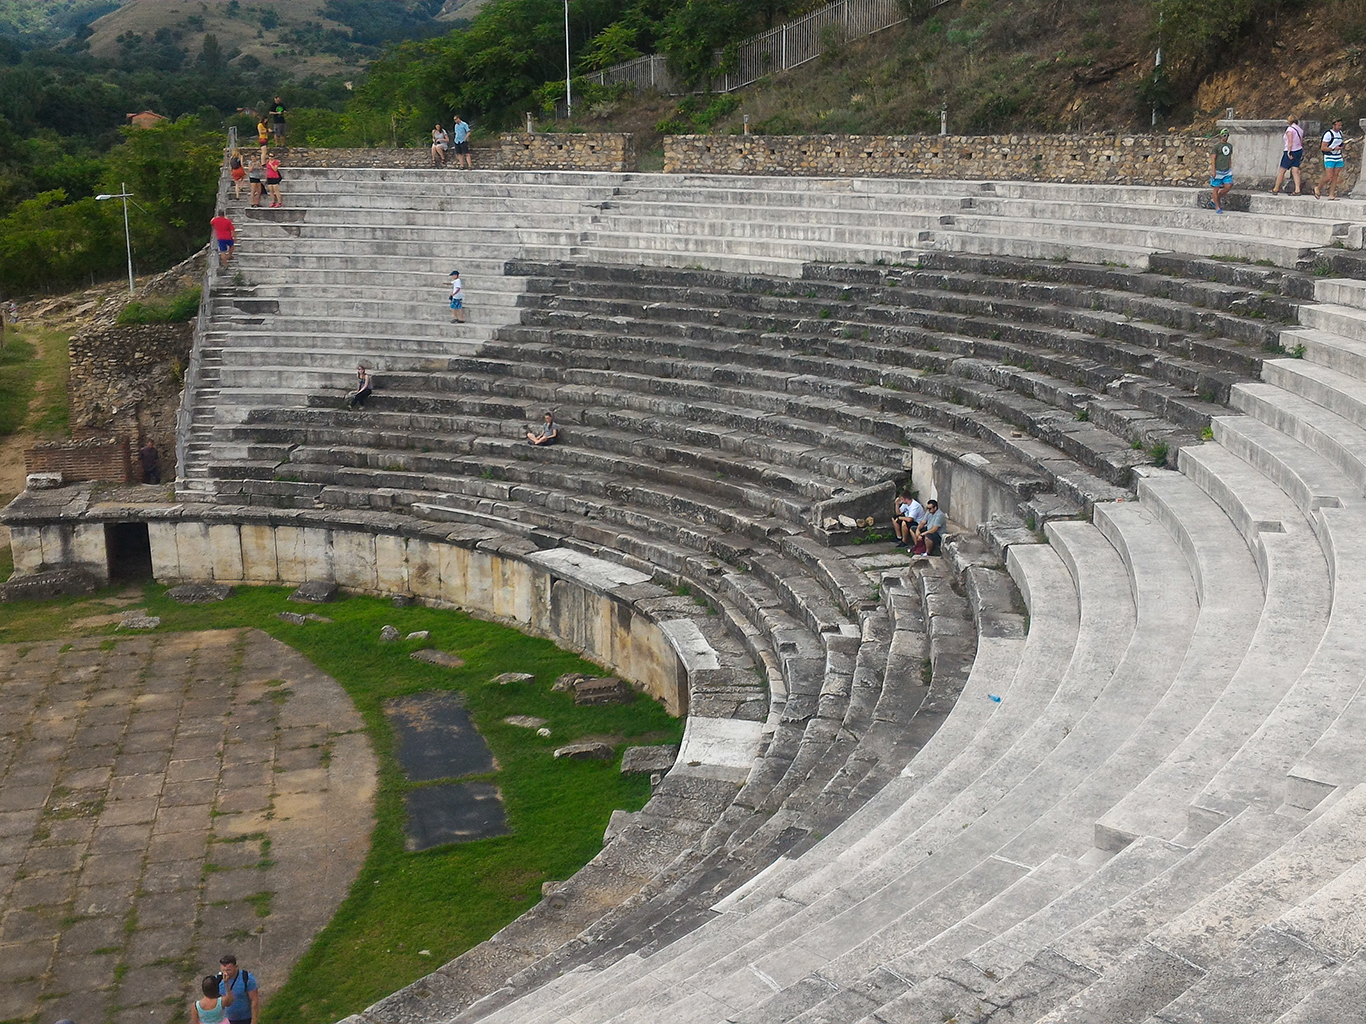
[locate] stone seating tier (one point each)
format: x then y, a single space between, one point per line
1043 837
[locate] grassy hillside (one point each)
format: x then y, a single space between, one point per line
1050 65
50 18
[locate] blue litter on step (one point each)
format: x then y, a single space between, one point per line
995 699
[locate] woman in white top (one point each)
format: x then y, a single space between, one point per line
440 140
1293 155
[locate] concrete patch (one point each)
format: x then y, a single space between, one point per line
455 813
436 739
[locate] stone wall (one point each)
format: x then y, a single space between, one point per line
546 152
611 614
516 152
1112 159
94 458
127 381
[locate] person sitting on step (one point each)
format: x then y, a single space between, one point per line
546 433
365 385
907 514
931 531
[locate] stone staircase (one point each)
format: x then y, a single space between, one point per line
1141 802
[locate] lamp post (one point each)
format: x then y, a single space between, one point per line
568 90
125 195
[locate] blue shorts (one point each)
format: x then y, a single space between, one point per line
224 244
1220 180
1289 160
1330 161
457 303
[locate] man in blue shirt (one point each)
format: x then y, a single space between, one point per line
246 1000
932 529
460 138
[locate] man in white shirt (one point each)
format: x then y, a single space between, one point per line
907 514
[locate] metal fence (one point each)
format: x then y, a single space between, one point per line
779 49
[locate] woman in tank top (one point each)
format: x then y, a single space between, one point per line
211 1008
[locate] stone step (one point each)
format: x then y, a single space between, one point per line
1310 480
1259 664
1336 997
1180 953
1340 441
1052 955
1283 960
1341 291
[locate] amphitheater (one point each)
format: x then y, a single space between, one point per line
1100 763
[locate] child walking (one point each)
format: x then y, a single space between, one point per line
457 298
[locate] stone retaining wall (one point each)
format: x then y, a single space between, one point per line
612 614
545 152
541 151
127 380
1113 159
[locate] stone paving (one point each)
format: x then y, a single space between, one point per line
165 799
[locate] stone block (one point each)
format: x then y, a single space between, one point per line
353 555
315 592
643 760
44 585
291 557
391 563
258 553
199 593
225 547
194 550
165 555
441 658
589 750
595 690
26 545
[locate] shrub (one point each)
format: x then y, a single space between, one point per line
179 308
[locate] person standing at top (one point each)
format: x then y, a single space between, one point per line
457 298
440 140
1293 155
263 138
150 459
460 133
1331 146
277 116
1221 169
225 234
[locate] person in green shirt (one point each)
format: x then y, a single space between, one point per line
1221 169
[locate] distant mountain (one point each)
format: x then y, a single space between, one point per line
295 36
54 19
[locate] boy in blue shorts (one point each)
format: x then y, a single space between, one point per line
1221 169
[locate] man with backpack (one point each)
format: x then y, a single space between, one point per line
246 1000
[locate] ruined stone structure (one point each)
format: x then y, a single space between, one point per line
1100 762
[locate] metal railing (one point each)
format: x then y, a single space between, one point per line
779 49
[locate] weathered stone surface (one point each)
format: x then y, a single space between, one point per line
434 657
588 750
504 678
420 634
565 683
199 593
618 823
44 585
1113 158
640 760
525 721
401 600
595 690
139 620
389 634
292 617
43 481
315 592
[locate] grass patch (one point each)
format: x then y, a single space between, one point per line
177 309
34 361
451 898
